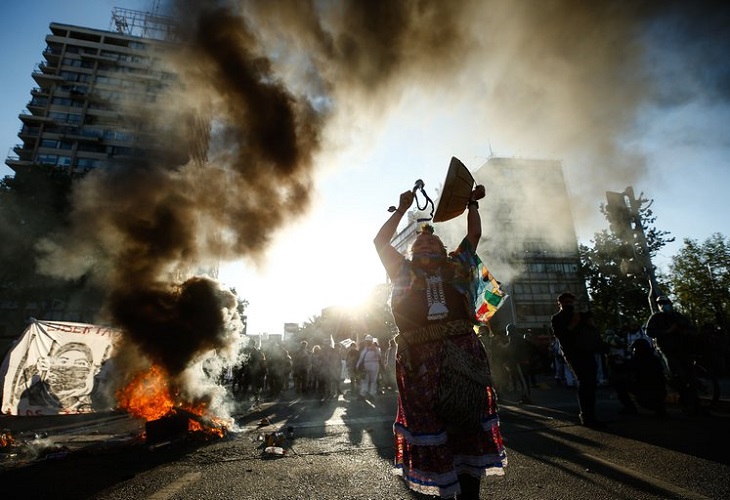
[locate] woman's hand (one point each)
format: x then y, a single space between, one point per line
478 193
406 200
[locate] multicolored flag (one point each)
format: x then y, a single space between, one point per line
489 296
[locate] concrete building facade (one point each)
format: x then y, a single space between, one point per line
96 105
87 110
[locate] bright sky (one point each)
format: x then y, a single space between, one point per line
681 146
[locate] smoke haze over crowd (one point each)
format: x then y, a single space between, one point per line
289 86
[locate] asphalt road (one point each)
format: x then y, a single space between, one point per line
343 450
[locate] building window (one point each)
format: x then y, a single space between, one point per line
92 148
535 310
71 76
47 159
111 55
61 101
536 267
87 163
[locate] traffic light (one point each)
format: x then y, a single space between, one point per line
622 222
632 267
619 216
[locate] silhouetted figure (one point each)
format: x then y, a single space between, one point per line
648 384
676 339
620 366
579 339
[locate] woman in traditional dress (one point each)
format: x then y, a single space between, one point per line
433 300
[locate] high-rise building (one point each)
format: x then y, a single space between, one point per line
97 104
95 90
528 239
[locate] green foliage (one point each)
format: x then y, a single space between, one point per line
373 317
617 298
700 279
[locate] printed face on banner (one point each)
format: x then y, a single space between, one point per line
58 368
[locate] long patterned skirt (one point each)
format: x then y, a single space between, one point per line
429 456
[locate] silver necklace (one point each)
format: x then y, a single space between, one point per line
435 298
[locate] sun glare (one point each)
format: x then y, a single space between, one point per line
309 269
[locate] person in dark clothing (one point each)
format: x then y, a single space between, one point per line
531 359
579 339
300 367
620 368
648 384
351 359
254 373
676 338
517 360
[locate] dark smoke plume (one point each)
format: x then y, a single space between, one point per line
272 84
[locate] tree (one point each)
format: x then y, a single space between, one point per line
616 268
700 279
316 330
34 203
372 317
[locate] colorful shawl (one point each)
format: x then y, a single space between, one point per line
468 274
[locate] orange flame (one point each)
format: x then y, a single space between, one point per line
149 396
6 440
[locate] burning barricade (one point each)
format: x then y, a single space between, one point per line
151 396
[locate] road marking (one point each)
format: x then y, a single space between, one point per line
678 490
171 489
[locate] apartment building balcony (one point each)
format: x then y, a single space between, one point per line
52 54
37 105
15 163
45 76
146 76
96 57
39 92
80 134
30 119
22 152
29 133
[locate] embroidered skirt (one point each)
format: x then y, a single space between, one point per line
429 456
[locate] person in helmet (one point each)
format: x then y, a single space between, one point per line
674 333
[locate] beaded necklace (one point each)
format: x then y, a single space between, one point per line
435 298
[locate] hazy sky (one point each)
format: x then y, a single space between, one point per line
622 98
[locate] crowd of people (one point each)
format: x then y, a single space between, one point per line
357 370
641 361
516 361
447 434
